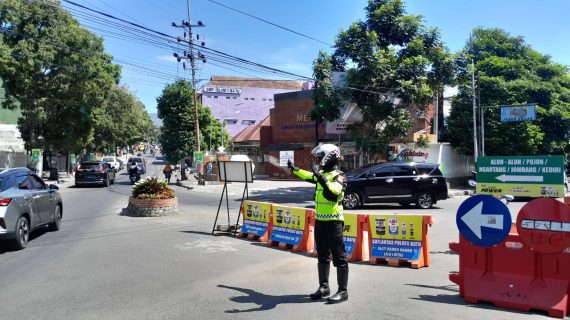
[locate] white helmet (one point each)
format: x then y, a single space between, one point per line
326 154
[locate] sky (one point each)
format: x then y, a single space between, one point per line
148 67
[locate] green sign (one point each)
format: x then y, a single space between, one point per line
530 176
92 156
198 156
72 159
36 155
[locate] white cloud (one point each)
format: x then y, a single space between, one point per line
167 58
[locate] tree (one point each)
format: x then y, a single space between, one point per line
175 108
122 121
392 61
56 69
510 72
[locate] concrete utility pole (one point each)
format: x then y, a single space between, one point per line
475 148
190 56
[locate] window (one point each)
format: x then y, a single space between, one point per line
264 99
215 97
6 183
252 98
402 171
245 98
23 183
231 121
382 171
270 99
37 183
209 96
234 97
248 122
228 97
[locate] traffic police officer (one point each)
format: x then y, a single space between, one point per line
329 225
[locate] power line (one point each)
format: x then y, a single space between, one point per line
271 23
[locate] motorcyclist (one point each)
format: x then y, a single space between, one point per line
329 224
134 171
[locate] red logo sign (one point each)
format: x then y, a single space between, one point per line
544 225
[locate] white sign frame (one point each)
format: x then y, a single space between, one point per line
235 171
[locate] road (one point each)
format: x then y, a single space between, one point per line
106 265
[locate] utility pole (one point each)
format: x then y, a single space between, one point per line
187 25
475 147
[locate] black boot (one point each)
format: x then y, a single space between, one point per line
342 293
323 289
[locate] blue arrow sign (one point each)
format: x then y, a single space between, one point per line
484 220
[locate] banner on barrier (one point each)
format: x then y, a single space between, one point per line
396 236
288 224
350 232
256 217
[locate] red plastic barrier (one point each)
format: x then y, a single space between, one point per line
511 275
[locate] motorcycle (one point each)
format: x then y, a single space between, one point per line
505 198
134 177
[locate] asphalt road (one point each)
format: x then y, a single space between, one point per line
106 265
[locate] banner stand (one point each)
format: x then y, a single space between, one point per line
233 171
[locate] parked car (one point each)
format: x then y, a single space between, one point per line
140 161
113 161
403 183
26 203
94 172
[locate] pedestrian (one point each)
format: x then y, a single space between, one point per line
330 183
167 172
209 169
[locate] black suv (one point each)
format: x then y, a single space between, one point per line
404 183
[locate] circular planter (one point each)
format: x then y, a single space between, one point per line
152 207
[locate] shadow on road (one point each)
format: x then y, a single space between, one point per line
264 301
6 246
301 195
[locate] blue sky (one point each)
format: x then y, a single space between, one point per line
147 68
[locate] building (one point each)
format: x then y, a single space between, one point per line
242 102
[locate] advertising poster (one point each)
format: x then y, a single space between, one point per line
36 155
256 217
396 236
288 224
350 232
285 156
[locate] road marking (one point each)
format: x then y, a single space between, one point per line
207 246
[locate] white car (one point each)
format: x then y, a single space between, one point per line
115 164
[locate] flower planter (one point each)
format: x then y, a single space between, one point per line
152 207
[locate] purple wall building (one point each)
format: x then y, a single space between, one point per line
243 102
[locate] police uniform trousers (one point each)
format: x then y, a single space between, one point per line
329 239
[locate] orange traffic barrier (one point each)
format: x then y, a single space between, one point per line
257 222
353 235
292 228
399 240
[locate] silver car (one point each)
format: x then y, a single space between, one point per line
26 203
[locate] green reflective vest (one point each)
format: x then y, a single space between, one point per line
326 210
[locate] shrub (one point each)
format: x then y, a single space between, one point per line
152 188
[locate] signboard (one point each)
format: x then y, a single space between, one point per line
288 224
92 156
235 171
349 232
483 220
530 176
256 217
544 225
518 113
36 155
396 236
285 156
73 159
222 90
198 156
349 115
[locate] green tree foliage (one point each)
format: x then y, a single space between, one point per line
509 72
392 62
175 109
56 69
122 121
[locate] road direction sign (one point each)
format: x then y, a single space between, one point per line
527 176
544 225
483 220
198 156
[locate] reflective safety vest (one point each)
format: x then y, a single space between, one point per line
325 209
